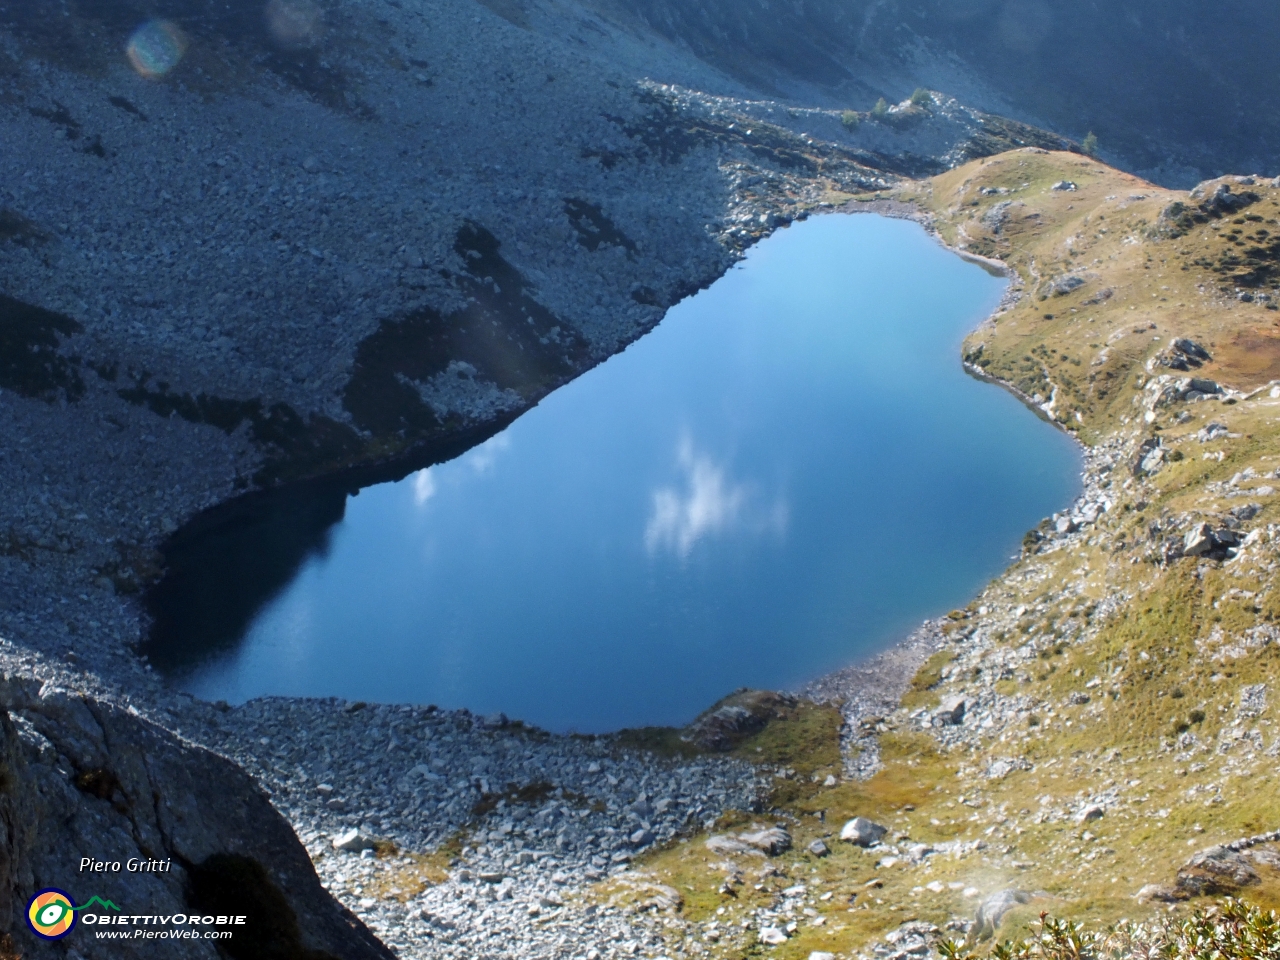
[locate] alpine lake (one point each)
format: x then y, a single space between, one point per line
788 474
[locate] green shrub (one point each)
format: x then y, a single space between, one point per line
1090 145
850 119
881 109
1231 930
922 97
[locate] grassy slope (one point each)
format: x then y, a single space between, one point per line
1099 605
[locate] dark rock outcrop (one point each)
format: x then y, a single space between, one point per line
83 778
737 717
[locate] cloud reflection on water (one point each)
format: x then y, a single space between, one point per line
424 486
710 503
480 460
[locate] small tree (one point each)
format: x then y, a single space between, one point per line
1090 145
922 97
881 109
850 119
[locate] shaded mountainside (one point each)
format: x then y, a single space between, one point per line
1175 88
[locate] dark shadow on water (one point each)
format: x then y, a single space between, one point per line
229 562
223 571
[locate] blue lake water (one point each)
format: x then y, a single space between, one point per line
788 474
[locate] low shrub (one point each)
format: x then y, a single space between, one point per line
1230 930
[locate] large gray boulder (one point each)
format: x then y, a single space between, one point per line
992 910
950 712
86 778
1217 871
863 832
771 841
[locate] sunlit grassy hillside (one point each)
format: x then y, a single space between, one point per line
1120 678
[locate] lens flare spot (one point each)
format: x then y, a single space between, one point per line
156 47
294 23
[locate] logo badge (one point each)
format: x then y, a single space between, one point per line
51 914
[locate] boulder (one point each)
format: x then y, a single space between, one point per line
726 844
1198 541
352 841
950 712
737 717
1193 388
1090 812
1064 285
1191 350
1246 512
1266 858
992 910
1223 202
1000 768
1205 541
641 838
1217 871
773 936
819 848
1150 458
771 841
863 832
1160 893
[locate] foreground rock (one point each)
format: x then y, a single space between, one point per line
86 778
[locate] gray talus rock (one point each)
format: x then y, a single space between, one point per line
992 910
1211 431
771 841
863 832
725 844
950 711
1090 812
1253 700
353 841
1217 870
